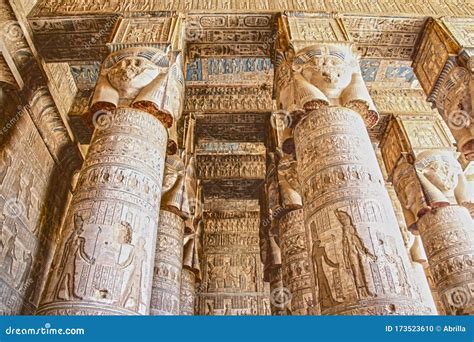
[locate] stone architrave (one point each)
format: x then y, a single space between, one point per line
104 261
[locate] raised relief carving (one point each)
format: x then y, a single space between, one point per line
442 179
142 78
322 75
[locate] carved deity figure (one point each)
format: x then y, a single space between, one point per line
319 255
322 75
442 179
8 254
74 248
355 253
142 78
27 260
409 192
290 190
174 189
133 287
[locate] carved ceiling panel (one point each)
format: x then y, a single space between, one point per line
228 127
216 204
236 189
381 7
81 38
235 70
241 167
380 73
384 37
229 99
229 35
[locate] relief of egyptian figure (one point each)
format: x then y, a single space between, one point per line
355 253
132 292
409 192
289 184
174 195
141 78
27 261
9 254
325 297
442 179
74 249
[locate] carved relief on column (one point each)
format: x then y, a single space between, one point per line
416 254
165 298
448 235
104 263
357 251
188 292
296 263
444 66
357 254
279 297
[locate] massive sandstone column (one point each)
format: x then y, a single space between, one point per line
166 289
357 254
104 261
433 190
295 264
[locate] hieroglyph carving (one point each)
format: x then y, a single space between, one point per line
166 290
438 7
448 236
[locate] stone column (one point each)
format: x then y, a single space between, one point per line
446 228
279 297
169 247
357 253
188 292
104 261
432 190
165 299
295 263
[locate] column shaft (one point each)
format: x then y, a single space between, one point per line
104 262
295 262
358 258
165 298
188 292
448 237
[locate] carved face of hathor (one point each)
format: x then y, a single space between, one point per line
132 74
329 73
441 174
